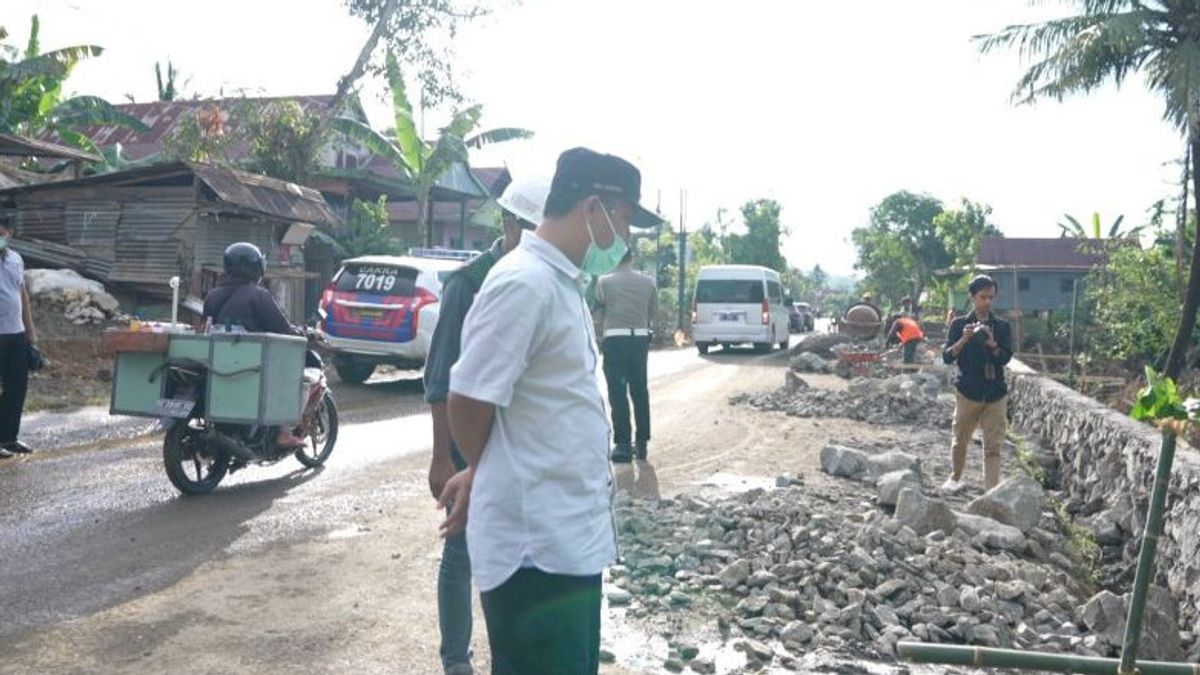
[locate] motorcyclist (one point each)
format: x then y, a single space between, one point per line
239 299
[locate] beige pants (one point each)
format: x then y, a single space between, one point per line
993 419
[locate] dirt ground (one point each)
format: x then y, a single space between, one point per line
362 600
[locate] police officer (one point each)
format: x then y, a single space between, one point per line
628 303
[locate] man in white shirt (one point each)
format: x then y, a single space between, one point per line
527 415
16 335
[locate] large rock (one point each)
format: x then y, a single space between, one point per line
882 464
1017 501
923 514
991 533
808 362
1105 614
844 462
821 344
735 574
890 485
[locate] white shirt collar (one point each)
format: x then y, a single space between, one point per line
552 256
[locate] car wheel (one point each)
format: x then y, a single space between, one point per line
703 349
353 372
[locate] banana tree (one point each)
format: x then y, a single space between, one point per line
1073 228
31 96
420 161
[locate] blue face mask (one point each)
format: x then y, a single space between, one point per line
600 261
3 243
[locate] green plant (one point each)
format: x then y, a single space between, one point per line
200 136
1160 401
1082 544
1026 460
423 162
368 231
285 140
1073 228
31 93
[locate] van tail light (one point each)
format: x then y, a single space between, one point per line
422 297
766 310
326 302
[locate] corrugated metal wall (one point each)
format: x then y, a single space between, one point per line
92 227
147 247
41 220
217 232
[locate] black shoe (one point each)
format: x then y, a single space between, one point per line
4 454
19 448
621 454
639 451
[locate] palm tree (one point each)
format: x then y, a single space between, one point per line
423 162
31 99
1109 40
1072 228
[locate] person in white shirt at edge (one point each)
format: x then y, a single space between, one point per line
16 336
527 414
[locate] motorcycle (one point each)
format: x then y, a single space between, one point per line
199 453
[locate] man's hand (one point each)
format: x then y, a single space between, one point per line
991 335
457 497
441 468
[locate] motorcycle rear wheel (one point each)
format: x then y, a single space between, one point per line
322 434
193 467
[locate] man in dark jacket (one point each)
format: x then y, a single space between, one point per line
522 203
980 344
240 300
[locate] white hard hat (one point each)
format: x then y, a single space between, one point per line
525 198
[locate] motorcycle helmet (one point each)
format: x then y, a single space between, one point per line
243 260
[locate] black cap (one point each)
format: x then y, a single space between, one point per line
587 172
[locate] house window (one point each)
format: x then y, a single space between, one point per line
1022 283
1066 285
346 160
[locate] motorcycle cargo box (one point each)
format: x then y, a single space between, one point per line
253 378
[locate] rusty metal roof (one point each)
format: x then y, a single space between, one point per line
161 116
19 146
1048 253
246 191
268 196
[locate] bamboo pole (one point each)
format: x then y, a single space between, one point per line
984 657
1145 566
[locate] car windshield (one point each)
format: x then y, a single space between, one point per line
729 291
389 279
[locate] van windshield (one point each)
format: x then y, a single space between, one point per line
730 291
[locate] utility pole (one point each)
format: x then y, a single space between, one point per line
682 255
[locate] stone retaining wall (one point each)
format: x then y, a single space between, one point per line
1107 469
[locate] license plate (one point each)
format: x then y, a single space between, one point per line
372 314
729 316
179 408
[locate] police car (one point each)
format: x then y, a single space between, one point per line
383 309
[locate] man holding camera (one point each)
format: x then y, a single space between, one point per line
980 344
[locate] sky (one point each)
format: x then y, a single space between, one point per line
825 107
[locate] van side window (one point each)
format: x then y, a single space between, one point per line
775 290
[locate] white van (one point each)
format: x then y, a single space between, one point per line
738 304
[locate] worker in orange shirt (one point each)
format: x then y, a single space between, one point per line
908 333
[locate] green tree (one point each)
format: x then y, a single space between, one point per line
1109 40
900 248
420 161
201 135
421 34
1133 303
285 140
761 244
368 232
1073 228
166 88
31 93
962 231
